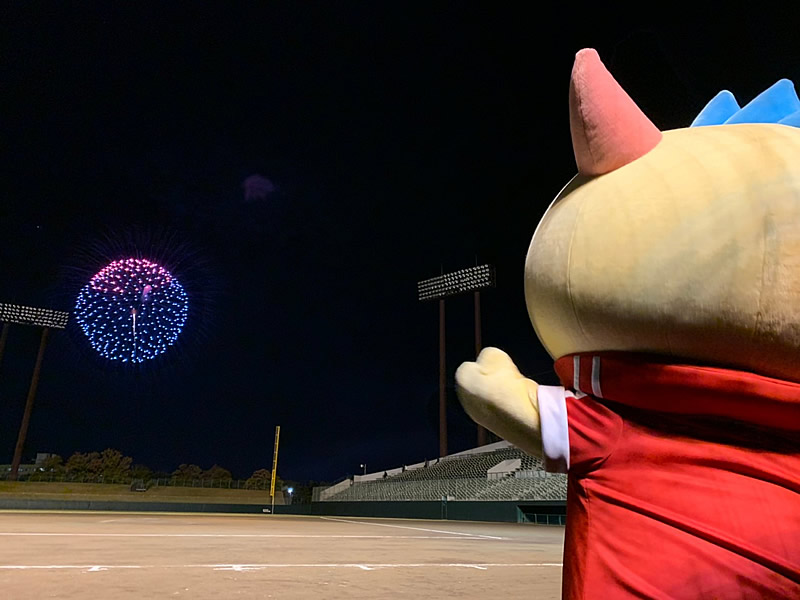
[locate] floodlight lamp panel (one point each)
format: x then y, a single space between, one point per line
28 315
463 281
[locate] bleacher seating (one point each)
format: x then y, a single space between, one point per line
428 489
550 487
530 463
462 477
459 467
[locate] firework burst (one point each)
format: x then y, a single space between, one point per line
142 299
132 310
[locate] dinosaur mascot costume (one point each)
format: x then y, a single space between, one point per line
665 282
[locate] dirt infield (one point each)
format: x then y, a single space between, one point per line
133 555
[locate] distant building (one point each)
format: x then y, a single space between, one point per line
23 469
42 456
29 468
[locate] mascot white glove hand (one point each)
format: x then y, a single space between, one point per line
496 395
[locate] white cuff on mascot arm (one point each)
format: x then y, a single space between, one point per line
555 431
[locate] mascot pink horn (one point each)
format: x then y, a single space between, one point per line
665 282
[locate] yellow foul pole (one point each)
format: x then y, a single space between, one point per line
274 467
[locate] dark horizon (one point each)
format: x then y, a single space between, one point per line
400 142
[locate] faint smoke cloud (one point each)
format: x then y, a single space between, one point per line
257 187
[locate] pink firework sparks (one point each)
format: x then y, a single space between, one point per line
118 276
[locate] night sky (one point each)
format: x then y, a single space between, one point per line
401 140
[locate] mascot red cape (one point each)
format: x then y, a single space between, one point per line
665 282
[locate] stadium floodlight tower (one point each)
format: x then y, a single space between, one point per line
47 319
438 288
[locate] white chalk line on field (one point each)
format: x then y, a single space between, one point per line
262 566
226 535
466 535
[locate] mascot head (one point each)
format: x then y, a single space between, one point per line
684 243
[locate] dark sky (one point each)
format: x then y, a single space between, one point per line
401 140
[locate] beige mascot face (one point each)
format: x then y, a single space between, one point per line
684 244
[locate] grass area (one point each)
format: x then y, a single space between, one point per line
102 491
60 488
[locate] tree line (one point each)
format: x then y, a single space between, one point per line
112 465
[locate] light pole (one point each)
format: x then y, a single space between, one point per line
363 466
47 319
472 279
3 338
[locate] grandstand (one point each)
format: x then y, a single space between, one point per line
496 472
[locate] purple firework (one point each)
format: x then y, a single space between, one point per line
257 187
